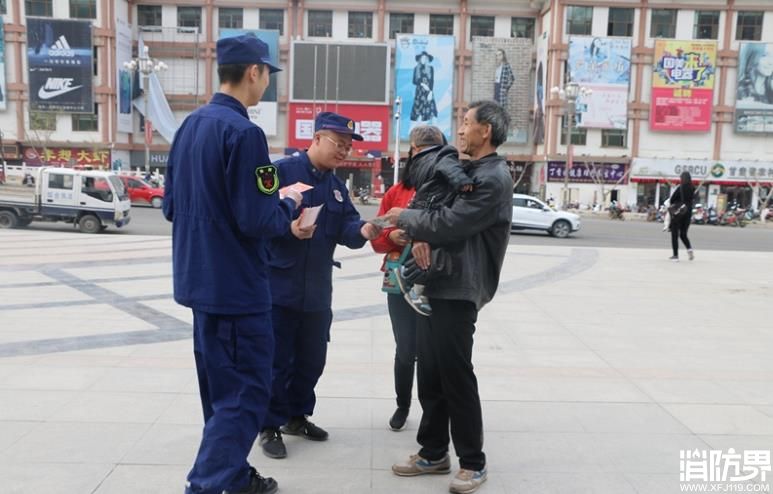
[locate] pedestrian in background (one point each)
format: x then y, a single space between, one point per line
391 242
301 280
475 231
680 209
221 197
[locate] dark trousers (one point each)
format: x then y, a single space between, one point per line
233 362
679 230
448 389
300 351
404 328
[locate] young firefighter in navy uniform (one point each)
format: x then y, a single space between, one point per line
301 280
221 196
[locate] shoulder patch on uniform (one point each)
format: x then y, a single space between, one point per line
268 178
337 195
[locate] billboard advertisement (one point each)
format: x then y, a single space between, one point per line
123 53
370 121
501 72
60 62
604 66
424 73
2 66
754 92
540 83
264 114
340 72
683 85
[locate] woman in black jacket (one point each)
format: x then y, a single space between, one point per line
681 214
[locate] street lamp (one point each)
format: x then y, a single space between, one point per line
146 66
569 94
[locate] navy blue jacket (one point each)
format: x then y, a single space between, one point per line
221 220
302 270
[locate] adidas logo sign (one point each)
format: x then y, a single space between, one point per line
61 48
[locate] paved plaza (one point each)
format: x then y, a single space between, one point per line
596 367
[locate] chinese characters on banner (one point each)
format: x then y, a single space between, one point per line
608 173
370 121
67 157
683 85
604 66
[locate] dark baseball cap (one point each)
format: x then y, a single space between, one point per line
244 49
334 122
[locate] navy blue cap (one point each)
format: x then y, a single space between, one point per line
334 122
244 49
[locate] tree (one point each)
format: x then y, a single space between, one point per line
598 175
753 182
518 172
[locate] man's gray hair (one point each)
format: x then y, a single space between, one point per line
492 113
426 135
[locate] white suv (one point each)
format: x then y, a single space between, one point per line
529 213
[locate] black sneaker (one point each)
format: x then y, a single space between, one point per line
397 422
300 426
272 444
258 485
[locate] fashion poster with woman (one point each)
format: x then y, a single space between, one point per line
424 73
501 71
754 94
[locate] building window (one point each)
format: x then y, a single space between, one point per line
663 23
579 134
749 26
614 138
189 17
579 20
42 121
441 24
320 23
83 9
706 24
230 18
620 22
360 24
3 8
400 23
481 25
42 8
522 27
86 122
148 15
96 60
272 19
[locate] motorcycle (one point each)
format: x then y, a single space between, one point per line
364 196
698 214
712 218
615 211
733 217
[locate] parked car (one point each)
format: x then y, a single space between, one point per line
529 213
141 192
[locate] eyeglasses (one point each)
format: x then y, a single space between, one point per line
341 147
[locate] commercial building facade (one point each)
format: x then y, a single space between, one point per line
672 81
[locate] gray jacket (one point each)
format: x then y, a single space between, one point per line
473 232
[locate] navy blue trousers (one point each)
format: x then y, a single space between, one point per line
233 361
300 350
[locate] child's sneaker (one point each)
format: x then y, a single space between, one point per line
405 285
419 303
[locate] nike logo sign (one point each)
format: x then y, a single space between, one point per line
43 93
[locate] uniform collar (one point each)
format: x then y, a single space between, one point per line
230 102
318 174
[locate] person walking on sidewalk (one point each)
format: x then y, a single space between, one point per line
301 280
680 209
475 230
391 241
221 197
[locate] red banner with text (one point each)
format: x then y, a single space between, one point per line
371 122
